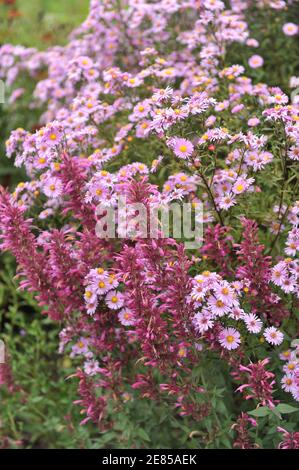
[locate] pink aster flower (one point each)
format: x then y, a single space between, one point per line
252 122
285 355
225 293
221 106
182 148
288 285
91 367
229 338
251 42
114 300
287 382
202 321
253 323
210 121
240 186
126 317
225 202
291 367
162 95
237 108
290 29
273 336
279 98
156 163
279 274
294 153
103 286
255 61
52 187
213 5
81 347
218 307
84 62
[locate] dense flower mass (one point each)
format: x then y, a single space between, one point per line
146 103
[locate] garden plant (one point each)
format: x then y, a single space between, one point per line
125 338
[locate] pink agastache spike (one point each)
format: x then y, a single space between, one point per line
255 267
241 427
93 407
72 174
290 439
65 272
6 376
33 266
218 248
259 382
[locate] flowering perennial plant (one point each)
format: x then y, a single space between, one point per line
146 102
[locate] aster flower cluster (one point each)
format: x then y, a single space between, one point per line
290 379
157 122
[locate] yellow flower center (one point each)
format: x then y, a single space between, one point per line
230 339
182 352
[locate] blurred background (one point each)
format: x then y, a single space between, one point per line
39 23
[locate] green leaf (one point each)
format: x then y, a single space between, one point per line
143 434
285 409
275 411
260 412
